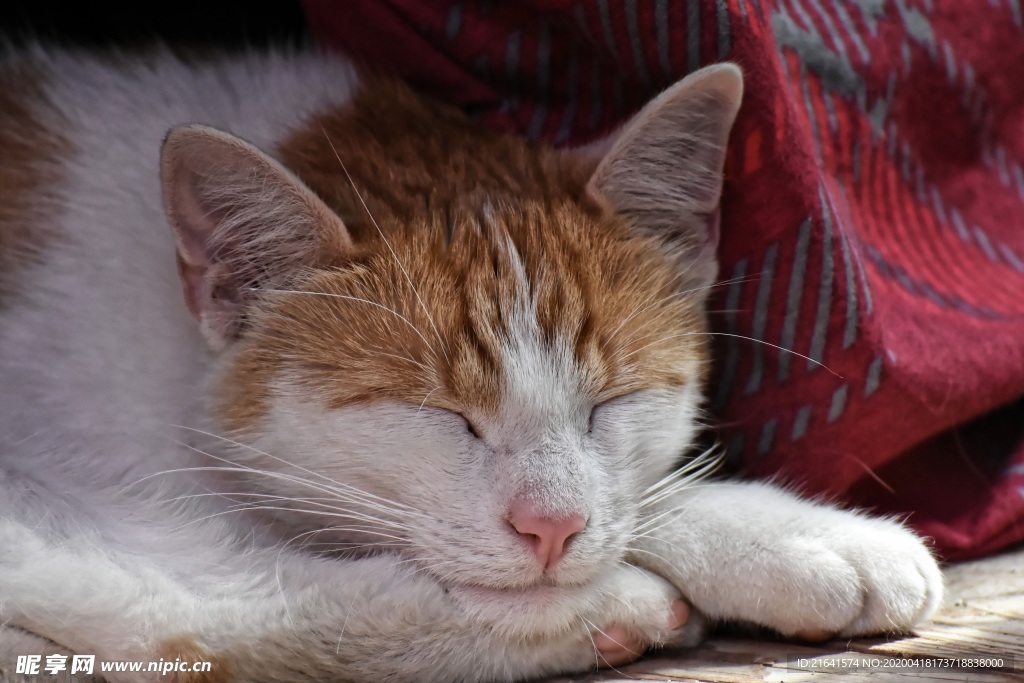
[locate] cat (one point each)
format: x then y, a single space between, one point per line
313 379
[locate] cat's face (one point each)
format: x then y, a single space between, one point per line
541 354
491 326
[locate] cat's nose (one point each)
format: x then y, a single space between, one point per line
547 536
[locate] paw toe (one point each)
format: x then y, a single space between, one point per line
902 585
616 645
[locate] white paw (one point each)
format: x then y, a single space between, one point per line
752 552
624 614
900 582
640 610
856 577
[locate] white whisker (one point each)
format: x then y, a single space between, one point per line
726 334
333 482
380 232
353 298
424 401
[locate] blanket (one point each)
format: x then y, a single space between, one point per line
870 317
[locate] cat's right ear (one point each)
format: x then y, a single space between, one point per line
241 221
662 171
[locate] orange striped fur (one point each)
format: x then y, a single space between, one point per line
417 311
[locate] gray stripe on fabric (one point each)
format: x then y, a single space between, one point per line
850 330
838 402
604 14
852 32
1015 8
764 444
453 22
762 306
940 208
692 35
985 244
800 422
724 37
512 53
874 378
865 288
635 41
824 313
960 226
1011 258
796 286
732 355
661 33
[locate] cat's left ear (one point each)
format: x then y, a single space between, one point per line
241 222
662 170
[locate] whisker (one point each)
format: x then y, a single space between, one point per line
354 298
680 295
593 643
686 483
334 482
637 311
266 497
424 401
246 470
774 346
701 461
344 514
353 529
684 486
594 627
247 508
653 554
738 336
666 518
380 232
723 283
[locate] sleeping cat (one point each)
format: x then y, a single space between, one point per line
336 386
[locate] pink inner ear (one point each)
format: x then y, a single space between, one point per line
192 227
240 220
194 284
192 222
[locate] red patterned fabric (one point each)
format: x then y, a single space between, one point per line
873 218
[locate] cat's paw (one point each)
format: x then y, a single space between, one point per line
900 582
746 551
859 577
640 610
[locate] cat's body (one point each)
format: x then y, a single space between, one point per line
475 376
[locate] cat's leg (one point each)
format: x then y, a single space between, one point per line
264 614
753 552
420 634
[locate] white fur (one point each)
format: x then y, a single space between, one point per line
795 566
112 540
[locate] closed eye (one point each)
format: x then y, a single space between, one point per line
607 405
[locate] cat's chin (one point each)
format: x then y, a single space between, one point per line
524 612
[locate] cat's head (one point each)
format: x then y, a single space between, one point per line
451 344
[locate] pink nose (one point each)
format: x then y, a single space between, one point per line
547 537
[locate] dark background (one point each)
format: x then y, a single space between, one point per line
230 24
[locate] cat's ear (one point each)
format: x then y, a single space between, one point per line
662 170
241 221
